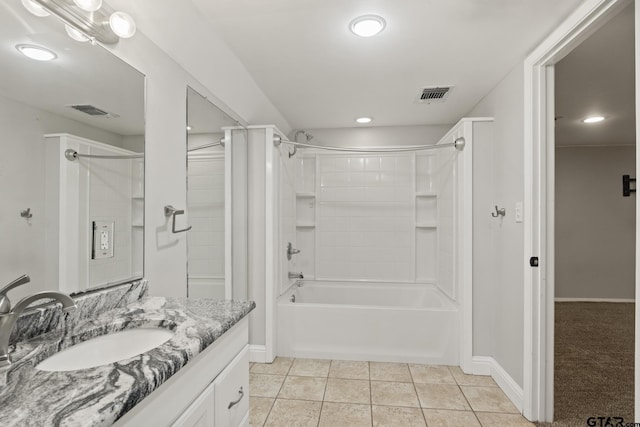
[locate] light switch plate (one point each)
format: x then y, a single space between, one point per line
519 214
102 246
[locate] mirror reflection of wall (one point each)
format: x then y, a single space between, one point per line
84 99
206 197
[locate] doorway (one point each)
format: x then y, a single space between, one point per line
543 231
595 226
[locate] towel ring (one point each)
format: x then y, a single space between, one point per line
170 211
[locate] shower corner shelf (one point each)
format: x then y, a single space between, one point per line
427 225
305 225
303 194
426 194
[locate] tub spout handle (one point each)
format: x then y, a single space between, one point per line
291 251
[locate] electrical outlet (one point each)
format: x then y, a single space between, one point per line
102 246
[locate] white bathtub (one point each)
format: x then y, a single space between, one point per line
368 321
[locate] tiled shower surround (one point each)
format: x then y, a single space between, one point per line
382 217
205 204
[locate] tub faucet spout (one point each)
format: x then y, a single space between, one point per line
293 275
9 315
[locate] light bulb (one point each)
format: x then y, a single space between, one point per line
367 25
122 24
75 34
593 119
88 5
35 8
36 52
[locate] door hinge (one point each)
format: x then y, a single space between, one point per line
534 261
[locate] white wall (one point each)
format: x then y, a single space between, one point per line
165 149
498 303
595 225
377 136
176 26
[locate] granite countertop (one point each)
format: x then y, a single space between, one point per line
99 396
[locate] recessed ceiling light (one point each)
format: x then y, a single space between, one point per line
364 120
35 8
36 52
367 25
188 128
593 119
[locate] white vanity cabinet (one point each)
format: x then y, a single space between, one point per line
212 390
225 402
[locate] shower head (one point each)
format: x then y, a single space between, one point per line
306 134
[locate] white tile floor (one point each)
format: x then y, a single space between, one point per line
311 392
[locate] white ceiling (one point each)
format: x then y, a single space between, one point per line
319 75
82 73
598 78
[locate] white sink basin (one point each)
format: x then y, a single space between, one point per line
106 349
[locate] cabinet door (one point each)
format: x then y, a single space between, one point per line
232 392
200 412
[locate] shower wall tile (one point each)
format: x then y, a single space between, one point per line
109 199
205 210
365 217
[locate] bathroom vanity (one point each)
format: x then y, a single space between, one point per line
199 376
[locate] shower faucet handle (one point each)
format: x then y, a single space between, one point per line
291 251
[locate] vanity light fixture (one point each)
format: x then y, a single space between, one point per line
37 53
122 24
593 119
364 120
91 19
35 8
88 5
367 25
75 34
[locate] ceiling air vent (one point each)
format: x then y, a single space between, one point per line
433 94
93 111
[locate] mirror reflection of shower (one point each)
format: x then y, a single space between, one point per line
206 197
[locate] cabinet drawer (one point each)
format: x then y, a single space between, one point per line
231 391
200 412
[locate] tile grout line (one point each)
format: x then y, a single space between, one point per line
413 381
324 393
465 397
370 392
277 394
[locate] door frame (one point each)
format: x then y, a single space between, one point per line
539 179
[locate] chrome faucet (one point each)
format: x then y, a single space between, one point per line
9 315
293 275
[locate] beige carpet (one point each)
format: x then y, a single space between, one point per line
594 357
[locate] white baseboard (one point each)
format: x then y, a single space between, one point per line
489 366
625 300
258 354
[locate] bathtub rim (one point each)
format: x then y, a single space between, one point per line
447 303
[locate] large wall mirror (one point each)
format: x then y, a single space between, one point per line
216 244
75 222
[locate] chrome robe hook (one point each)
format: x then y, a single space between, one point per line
499 212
